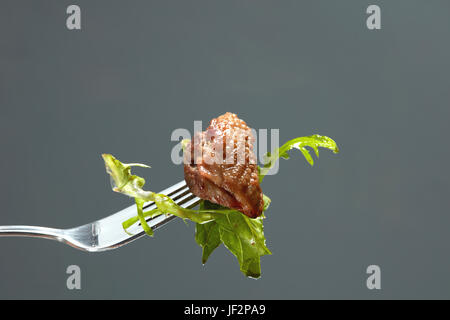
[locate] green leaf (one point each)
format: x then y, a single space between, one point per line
207 234
244 237
128 223
267 201
124 182
145 226
315 141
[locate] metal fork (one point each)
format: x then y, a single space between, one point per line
107 233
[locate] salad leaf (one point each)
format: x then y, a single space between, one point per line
128 223
207 235
144 224
124 182
121 178
243 236
315 141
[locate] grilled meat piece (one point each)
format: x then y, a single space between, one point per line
220 166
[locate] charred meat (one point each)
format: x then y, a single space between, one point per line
220 166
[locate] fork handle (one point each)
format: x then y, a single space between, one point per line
31 231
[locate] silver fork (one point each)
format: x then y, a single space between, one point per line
107 233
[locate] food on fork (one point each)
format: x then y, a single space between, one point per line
220 168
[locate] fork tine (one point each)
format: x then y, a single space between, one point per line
190 202
175 196
181 200
171 192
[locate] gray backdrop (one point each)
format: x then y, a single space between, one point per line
139 69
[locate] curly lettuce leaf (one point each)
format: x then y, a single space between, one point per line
126 183
315 141
122 180
152 213
144 224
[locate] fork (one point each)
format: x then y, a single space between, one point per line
107 233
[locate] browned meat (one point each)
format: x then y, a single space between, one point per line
220 166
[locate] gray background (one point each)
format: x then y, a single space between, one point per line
139 69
